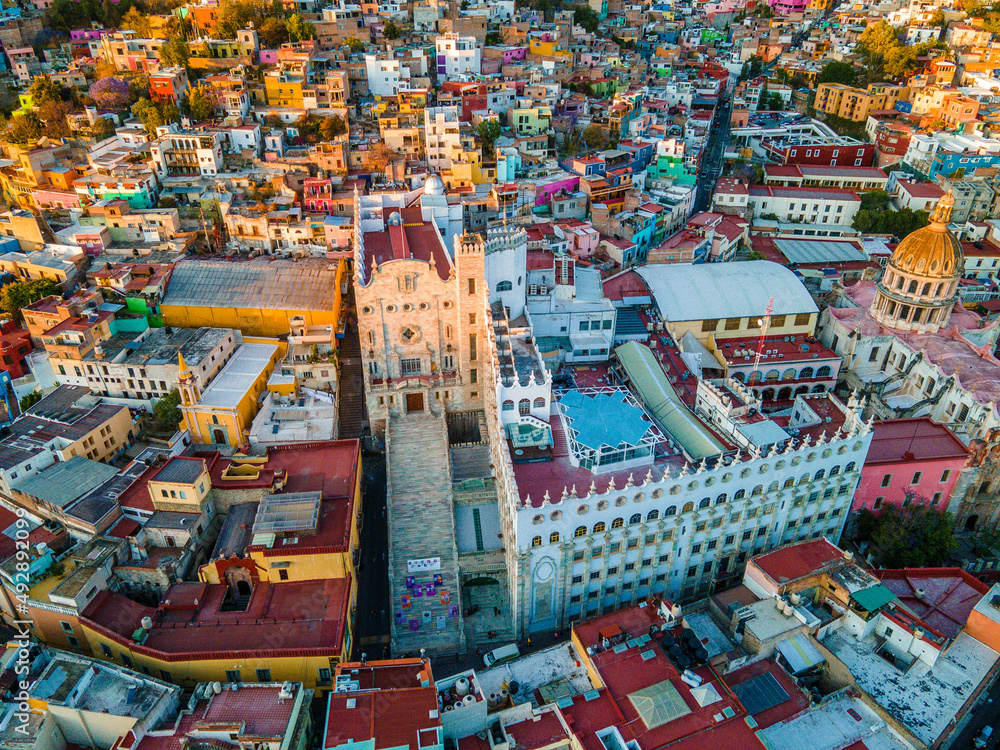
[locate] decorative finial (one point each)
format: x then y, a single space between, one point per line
629 483
572 492
611 483
649 476
942 211
593 487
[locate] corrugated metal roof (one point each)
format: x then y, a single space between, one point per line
713 291
655 391
275 285
819 251
64 482
874 598
800 653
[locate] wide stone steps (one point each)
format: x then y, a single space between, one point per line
422 526
351 402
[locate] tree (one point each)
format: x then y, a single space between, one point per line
167 412
331 127
378 157
875 200
111 93
762 99
585 16
896 223
355 44
837 72
23 128
200 102
298 29
153 115
43 89
775 103
53 114
390 30
916 536
488 131
137 22
102 128
595 137
22 293
234 15
30 400
272 33
174 52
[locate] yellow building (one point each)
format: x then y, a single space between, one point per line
284 90
255 297
308 532
855 104
222 413
295 631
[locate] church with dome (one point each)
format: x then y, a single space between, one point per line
909 345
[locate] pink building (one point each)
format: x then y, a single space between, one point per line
787 7
53 197
317 195
911 460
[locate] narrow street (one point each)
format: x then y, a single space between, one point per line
371 628
715 149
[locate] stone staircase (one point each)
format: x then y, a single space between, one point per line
351 402
421 526
560 444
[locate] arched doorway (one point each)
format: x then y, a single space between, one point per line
218 436
785 394
243 588
486 608
971 521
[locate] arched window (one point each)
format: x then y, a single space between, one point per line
617 523
524 407
705 502
758 490
913 288
927 289
671 511
739 494
173 494
721 499
805 373
635 518
819 475
536 542
580 531
788 374
773 487
823 372
772 375
504 286
508 405
554 537
790 482
803 479
739 376
599 527
654 514
849 468
688 507
539 403
834 471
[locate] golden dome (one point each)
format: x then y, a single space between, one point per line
932 251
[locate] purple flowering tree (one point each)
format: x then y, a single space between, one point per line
110 93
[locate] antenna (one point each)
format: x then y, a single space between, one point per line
764 324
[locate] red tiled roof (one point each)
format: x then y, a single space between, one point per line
948 595
913 439
797 560
921 189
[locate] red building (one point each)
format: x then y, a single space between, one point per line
15 346
850 153
891 142
168 85
911 460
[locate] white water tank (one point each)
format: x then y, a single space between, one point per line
216 687
147 623
469 700
794 599
461 686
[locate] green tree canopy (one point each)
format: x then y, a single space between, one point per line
390 30
22 293
595 137
174 52
23 128
53 114
583 15
43 89
875 200
837 72
299 30
897 223
355 44
153 115
917 536
331 127
488 131
167 412
137 22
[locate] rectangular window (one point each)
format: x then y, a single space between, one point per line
802 319
107 651
708 326
712 543
67 628
577 579
595 575
165 675
916 477
936 499
945 474
263 675
695 549
886 480
324 675
283 574
127 660
233 675
72 641
878 503
733 324
409 366
473 377
778 320
472 347
472 290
